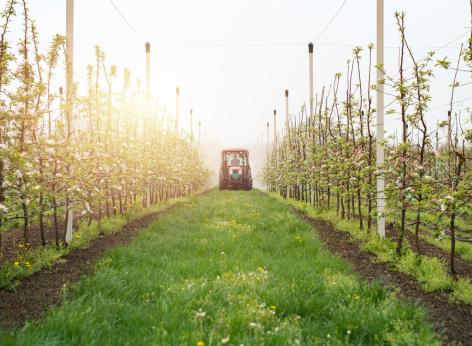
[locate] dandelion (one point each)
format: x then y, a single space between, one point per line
17 264
200 343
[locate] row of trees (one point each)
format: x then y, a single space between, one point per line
113 154
328 157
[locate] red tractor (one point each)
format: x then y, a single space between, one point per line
235 171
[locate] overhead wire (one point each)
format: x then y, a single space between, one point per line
302 62
136 33
330 21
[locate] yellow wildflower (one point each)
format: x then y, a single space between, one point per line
272 307
17 264
200 343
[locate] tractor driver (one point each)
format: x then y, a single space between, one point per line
235 161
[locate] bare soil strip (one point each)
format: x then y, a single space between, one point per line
42 290
452 320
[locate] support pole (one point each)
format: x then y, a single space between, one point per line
380 120
69 65
287 140
177 109
199 131
191 125
267 143
310 63
287 124
148 111
275 137
148 70
312 106
69 103
275 128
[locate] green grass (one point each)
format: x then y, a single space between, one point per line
431 272
227 268
463 250
30 261
462 291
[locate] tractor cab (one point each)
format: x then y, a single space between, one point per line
235 171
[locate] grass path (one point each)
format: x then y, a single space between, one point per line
227 268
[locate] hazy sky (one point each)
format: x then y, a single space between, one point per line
233 59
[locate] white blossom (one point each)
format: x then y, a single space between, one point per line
3 208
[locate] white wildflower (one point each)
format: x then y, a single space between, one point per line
3 208
200 313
